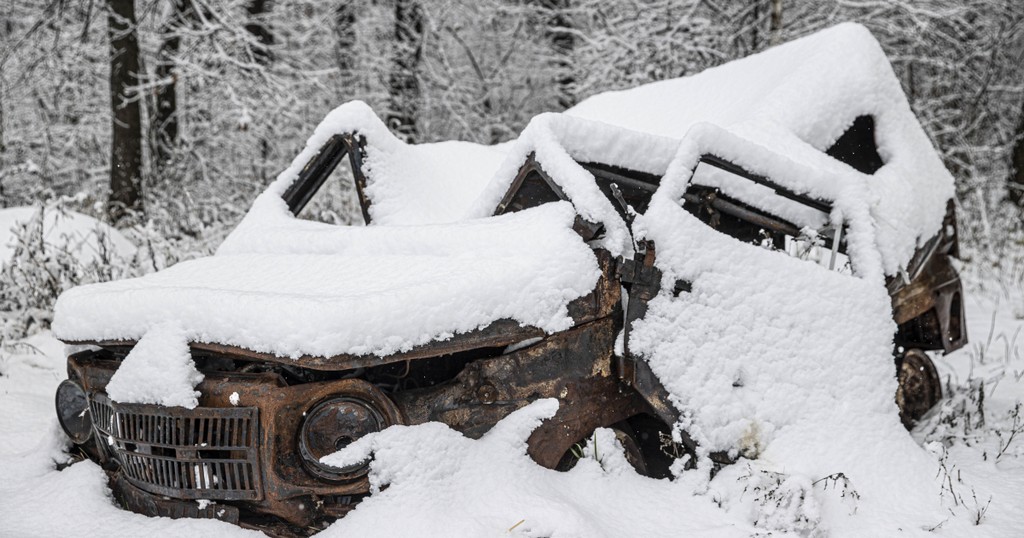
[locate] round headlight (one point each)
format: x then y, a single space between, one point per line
331 426
73 411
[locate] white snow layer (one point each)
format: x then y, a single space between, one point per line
559 143
406 183
158 370
763 340
308 288
795 100
441 484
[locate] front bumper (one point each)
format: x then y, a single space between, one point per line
142 502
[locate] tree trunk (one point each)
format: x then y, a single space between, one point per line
126 140
559 33
776 22
403 82
345 31
1015 184
3 145
256 27
165 111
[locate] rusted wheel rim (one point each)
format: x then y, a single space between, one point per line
919 387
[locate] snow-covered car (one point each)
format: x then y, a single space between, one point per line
577 263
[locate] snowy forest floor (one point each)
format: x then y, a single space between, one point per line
976 435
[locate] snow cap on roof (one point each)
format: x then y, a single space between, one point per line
559 143
405 183
797 99
845 190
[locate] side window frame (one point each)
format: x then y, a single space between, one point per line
313 176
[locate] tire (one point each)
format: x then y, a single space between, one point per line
919 386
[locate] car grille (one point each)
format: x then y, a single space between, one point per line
201 453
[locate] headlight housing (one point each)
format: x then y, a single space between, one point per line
73 411
332 425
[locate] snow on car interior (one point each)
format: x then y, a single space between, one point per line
698 271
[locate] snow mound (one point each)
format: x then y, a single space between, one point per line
324 290
158 370
764 340
80 234
440 483
406 183
783 362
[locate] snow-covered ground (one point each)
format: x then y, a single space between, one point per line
782 363
460 487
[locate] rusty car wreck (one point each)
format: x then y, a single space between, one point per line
258 463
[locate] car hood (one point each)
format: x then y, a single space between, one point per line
355 291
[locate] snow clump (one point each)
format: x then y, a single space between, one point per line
158 370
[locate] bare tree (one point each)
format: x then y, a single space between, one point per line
345 30
236 85
776 23
258 10
126 110
403 82
559 31
1015 184
164 123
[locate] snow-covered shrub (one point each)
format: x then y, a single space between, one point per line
1011 439
962 418
784 503
52 251
55 245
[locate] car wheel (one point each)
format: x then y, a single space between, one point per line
919 386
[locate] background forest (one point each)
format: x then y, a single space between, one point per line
165 118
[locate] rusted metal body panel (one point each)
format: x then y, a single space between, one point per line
927 300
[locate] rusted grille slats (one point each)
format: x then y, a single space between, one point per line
161 472
201 436
222 467
202 453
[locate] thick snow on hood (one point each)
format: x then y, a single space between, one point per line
323 290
